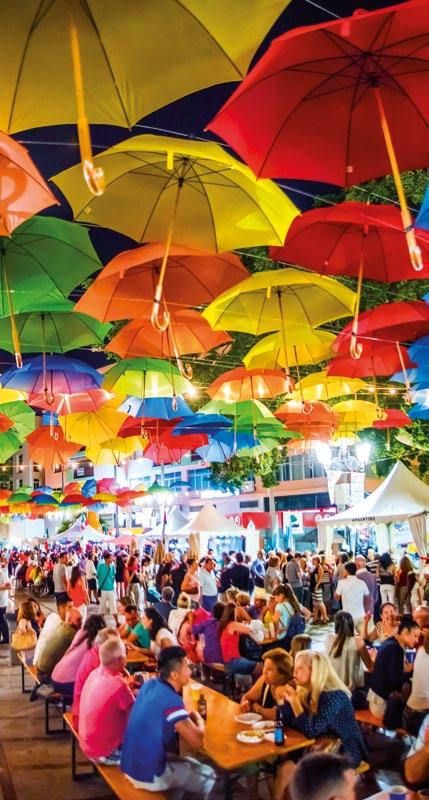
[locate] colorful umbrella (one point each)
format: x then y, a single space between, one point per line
56 330
419 351
350 89
24 192
394 418
292 414
92 427
243 384
156 407
142 426
146 377
354 415
320 386
52 375
48 447
10 395
168 449
310 348
180 191
379 358
10 443
87 400
126 285
202 423
42 261
115 451
23 418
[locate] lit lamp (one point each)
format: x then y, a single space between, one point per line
323 453
363 451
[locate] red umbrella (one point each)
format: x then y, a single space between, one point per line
168 448
395 419
403 321
150 428
249 384
378 358
313 420
326 102
89 400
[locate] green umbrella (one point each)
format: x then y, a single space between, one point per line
43 260
10 442
146 377
56 330
22 416
19 497
250 416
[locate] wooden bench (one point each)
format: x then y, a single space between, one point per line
47 692
365 717
115 779
226 680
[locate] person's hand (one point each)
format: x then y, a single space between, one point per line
197 719
244 706
286 693
367 616
426 741
408 667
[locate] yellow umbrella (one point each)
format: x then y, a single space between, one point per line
11 395
116 450
188 193
354 415
304 346
92 427
320 386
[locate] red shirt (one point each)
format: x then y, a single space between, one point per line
105 704
229 645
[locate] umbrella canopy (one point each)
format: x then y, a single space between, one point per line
156 407
269 352
126 285
188 332
403 321
23 418
142 426
92 427
268 299
380 358
292 414
134 62
54 374
146 377
202 423
419 351
168 449
24 192
320 386
5 423
48 447
10 443
10 395
394 418
339 239
56 330
215 201
331 78
354 415
243 384
114 451
87 400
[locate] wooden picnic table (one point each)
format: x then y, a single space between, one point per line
220 740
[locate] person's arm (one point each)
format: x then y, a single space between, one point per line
319 577
240 627
416 767
252 695
363 652
191 730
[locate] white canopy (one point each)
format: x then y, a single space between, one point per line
175 519
208 520
81 530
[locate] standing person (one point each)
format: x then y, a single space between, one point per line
59 576
106 586
91 579
239 574
402 578
208 583
352 592
319 609
77 591
5 586
273 576
190 583
119 574
293 575
146 760
370 580
258 569
209 629
391 670
386 573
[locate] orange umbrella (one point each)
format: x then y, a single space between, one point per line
88 400
124 289
187 332
48 446
5 423
23 192
248 384
313 420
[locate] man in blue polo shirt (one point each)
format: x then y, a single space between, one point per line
150 741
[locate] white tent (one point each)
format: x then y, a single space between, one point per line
401 496
208 523
84 531
175 519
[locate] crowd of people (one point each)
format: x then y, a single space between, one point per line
251 616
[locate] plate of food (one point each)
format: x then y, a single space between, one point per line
248 719
269 736
250 737
264 725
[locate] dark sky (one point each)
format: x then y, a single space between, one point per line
55 148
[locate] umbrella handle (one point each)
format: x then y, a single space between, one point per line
154 318
184 369
307 408
159 325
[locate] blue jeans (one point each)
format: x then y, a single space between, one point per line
240 666
64 688
208 601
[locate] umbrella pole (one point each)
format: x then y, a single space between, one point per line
307 408
289 386
14 331
407 396
94 176
155 320
413 248
184 369
355 346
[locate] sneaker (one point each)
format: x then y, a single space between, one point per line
113 759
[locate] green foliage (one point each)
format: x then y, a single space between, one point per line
233 474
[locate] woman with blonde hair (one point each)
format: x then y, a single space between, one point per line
177 615
273 576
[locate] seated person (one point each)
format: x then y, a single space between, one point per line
51 622
209 629
105 704
177 615
165 605
319 706
323 776
146 759
57 643
277 671
133 631
64 673
186 639
300 642
287 606
417 707
259 606
347 652
229 634
89 662
391 671
159 632
416 765
387 627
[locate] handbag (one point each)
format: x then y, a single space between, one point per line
23 640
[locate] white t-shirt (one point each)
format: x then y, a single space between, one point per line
419 697
208 582
352 591
90 571
163 633
4 593
51 622
175 618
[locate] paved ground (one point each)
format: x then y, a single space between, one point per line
34 766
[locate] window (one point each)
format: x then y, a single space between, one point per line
249 504
20 483
20 458
169 478
36 484
199 479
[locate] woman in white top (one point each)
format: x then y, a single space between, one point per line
177 615
418 702
347 652
159 632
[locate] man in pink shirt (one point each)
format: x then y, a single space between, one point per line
105 704
89 662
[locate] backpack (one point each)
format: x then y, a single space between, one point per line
296 625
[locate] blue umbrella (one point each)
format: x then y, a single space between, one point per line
49 418
54 373
419 412
202 423
419 351
215 452
414 375
44 499
156 407
422 220
89 488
